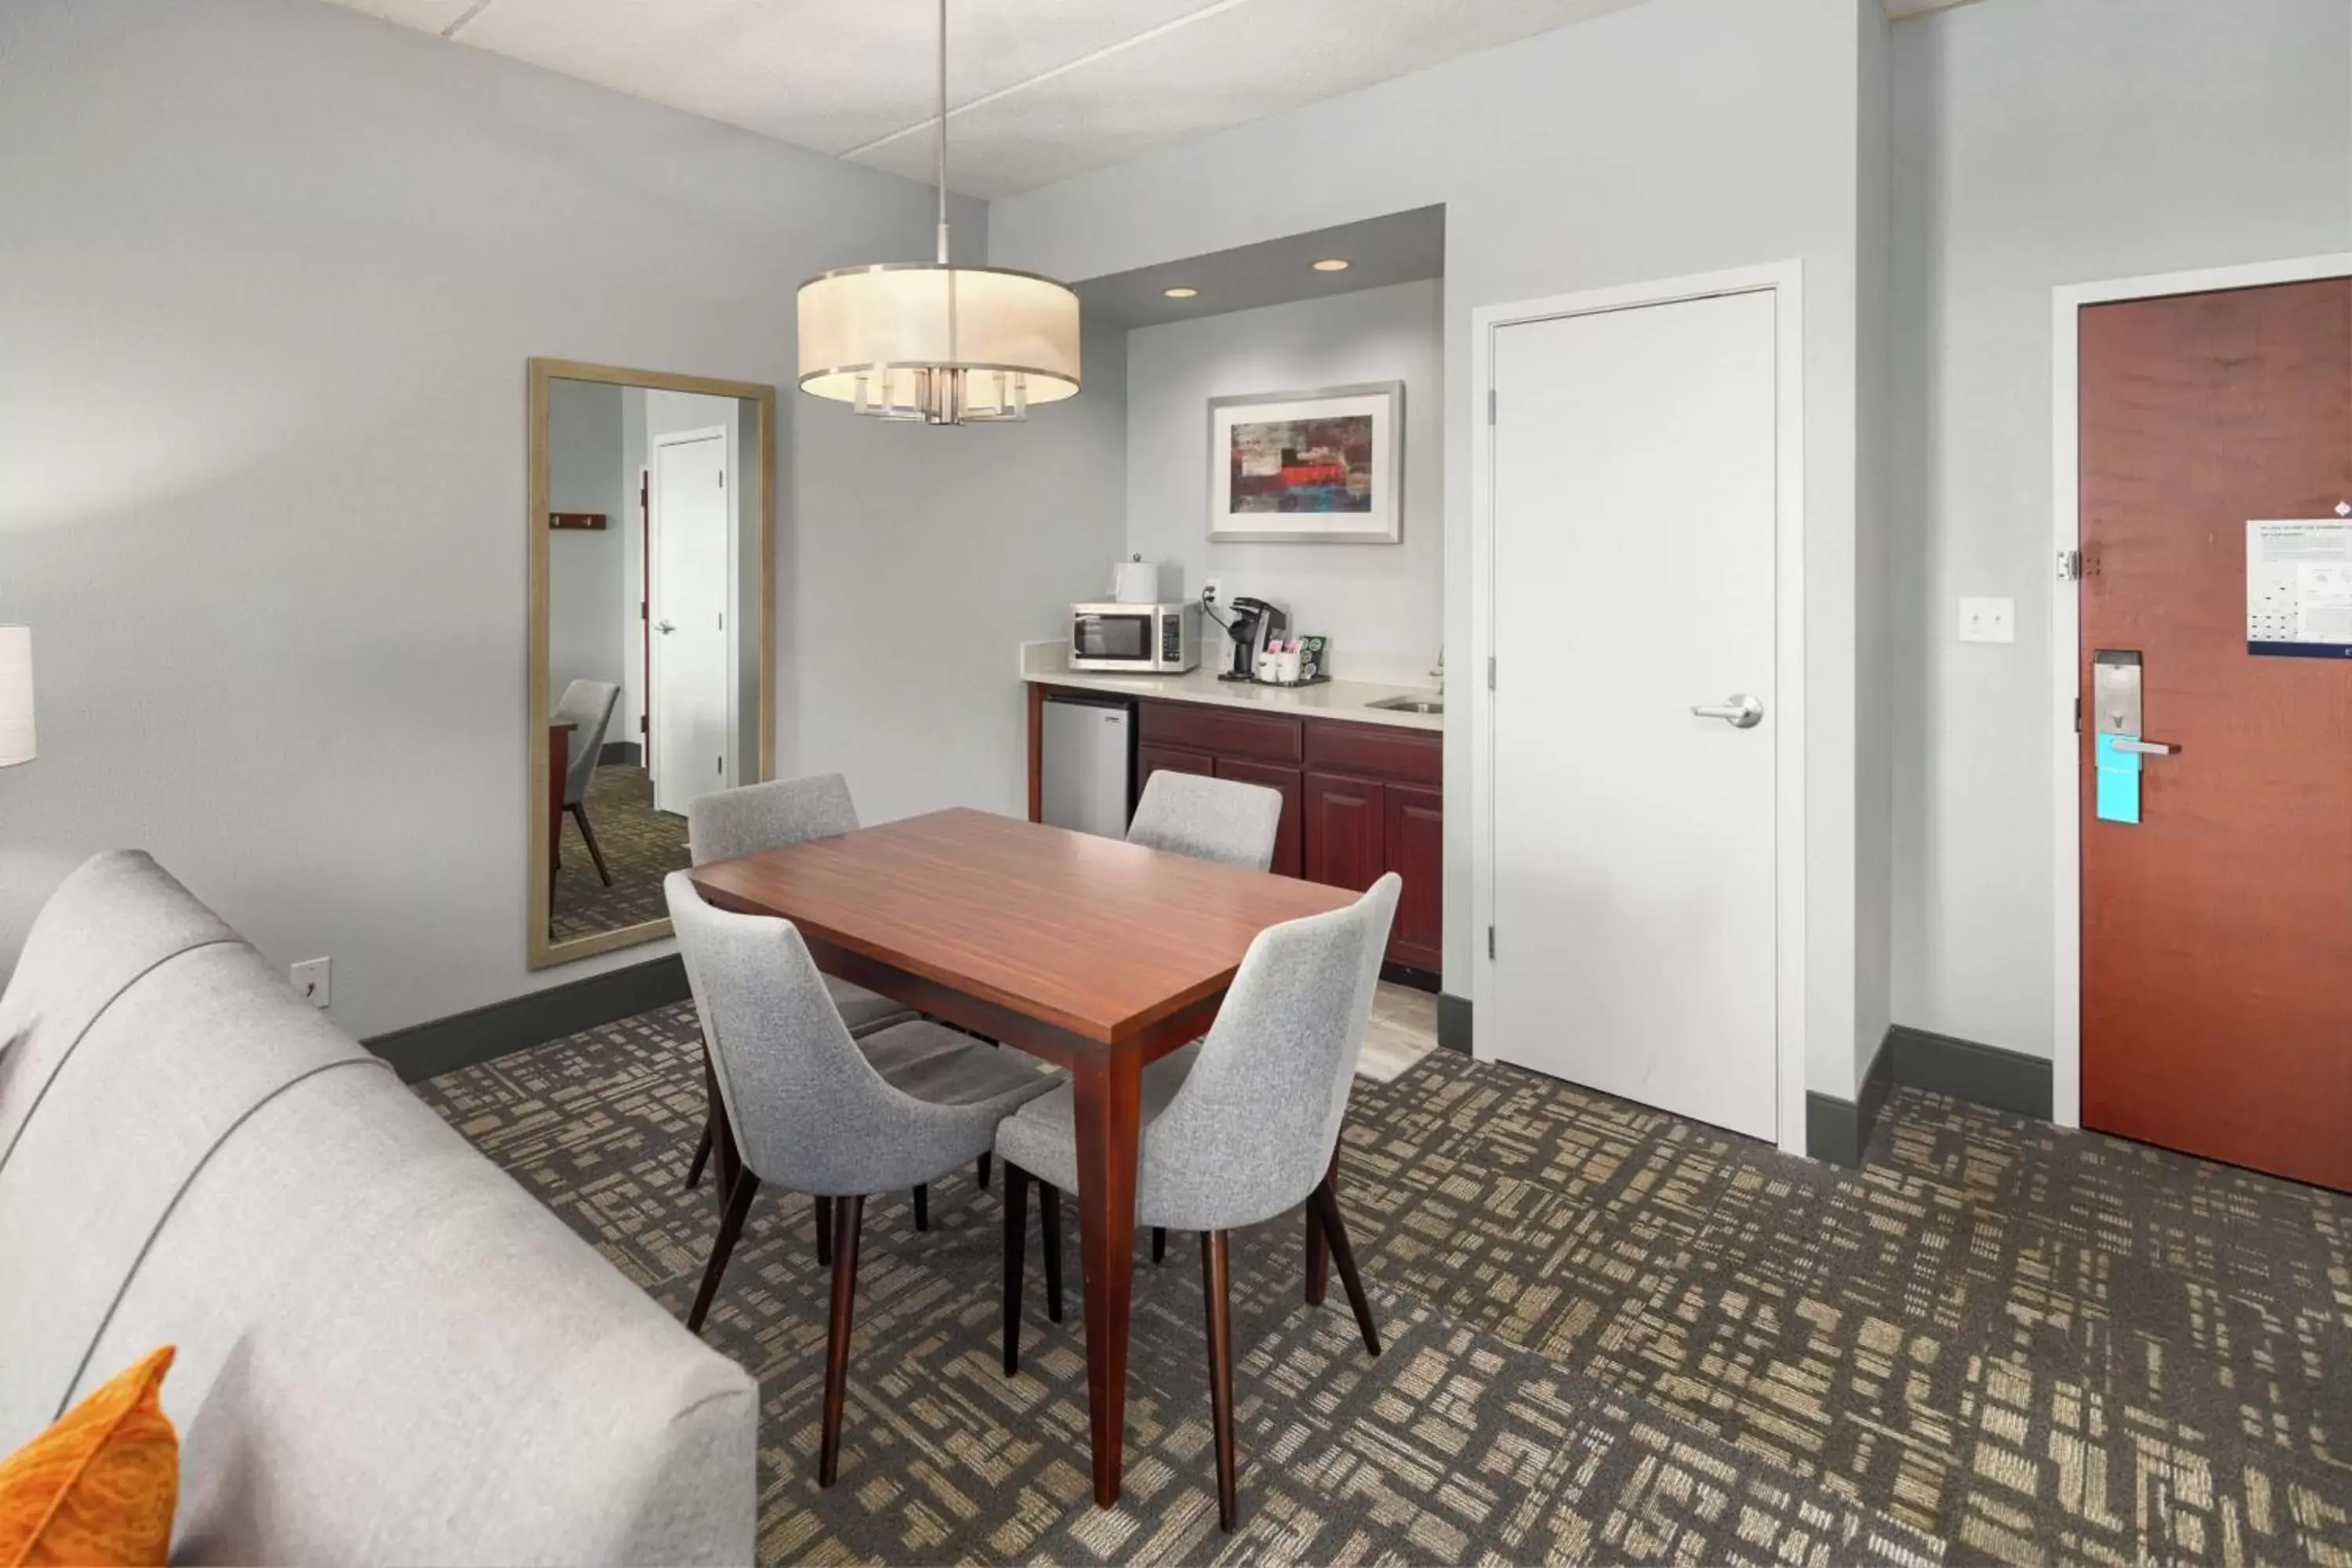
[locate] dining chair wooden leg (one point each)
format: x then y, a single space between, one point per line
1221 1367
730 1226
1318 1259
702 1155
824 1233
1158 1241
580 815
982 1170
1016 1259
1324 1204
849 1215
922 1206
1049 1220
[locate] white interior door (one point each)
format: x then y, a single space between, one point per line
1633 580
690 620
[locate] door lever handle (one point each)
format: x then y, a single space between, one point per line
1741 711
664 627
2146 748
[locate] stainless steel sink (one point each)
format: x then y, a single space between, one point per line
1410 705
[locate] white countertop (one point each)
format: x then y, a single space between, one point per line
1348 699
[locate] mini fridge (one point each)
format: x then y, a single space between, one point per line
1086 776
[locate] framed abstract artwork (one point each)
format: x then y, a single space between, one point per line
1322 468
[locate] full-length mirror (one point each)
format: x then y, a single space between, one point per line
652 632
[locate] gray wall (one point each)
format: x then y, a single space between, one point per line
1675 137
584 586
1369 598
920 593
2040 143
290 261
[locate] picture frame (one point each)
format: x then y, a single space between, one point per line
1323 466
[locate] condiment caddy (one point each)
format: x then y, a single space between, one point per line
1297 662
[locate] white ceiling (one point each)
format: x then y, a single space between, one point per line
1039 89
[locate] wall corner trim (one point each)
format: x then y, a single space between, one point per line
1454 1022
463 1040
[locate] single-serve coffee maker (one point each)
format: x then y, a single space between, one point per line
1255 625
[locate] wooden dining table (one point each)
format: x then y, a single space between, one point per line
1095 955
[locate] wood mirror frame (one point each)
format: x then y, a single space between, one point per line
544 950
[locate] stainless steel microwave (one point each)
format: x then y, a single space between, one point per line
1135 638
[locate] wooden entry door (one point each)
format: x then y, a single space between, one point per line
2217 933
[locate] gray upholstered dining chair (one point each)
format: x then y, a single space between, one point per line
817 1112
1207 818
1250 1129
588 704
1225 820
729 824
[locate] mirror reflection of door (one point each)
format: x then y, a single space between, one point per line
652 643
689 684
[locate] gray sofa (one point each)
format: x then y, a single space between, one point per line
388 1352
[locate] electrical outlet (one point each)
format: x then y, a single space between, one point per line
312 978
1212 592
1988 620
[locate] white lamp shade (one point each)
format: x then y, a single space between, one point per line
16 695
883 324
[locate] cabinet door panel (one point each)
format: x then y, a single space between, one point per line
1287 783
1150 759
1416 852
1346 830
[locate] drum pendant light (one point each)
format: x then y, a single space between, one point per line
947 345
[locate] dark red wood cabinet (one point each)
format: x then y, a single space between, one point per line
1415 845
1358 800
1289 855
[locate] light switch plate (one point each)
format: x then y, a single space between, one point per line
1988 620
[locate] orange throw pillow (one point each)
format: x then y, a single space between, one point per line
99 1487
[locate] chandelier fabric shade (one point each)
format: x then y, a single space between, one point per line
928 340
945 344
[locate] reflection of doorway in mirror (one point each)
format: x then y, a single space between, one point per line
676 467
690 553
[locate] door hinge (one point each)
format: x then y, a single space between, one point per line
641 725
641 611
722 767
2078 715
1490 944
2070 566
1491 401
722 620
1490 672
722 479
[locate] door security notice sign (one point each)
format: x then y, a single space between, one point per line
2299 588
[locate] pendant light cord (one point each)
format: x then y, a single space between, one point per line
940 135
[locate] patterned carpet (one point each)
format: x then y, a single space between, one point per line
1611 1335
641 847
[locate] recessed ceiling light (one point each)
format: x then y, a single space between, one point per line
1331 264
1180 293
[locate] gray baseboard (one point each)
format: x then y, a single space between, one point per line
1454 1022
1833 1129
1838 1130
2006 1080
619 754
443 1045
